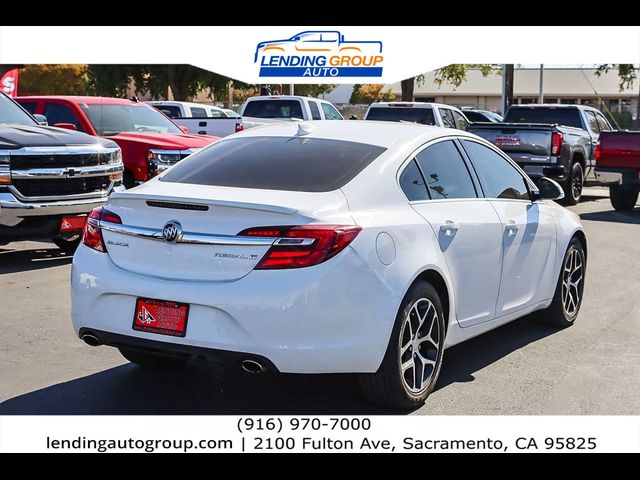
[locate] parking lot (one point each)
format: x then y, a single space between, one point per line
522 368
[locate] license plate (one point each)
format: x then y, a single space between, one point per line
72 224
161 316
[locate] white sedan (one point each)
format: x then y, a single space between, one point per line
323 247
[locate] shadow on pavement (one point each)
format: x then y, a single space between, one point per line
129 390
13 261
632 217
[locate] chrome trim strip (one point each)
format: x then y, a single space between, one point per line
71 172
95 148
188 151
102 194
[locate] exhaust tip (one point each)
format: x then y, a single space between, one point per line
251 366
91 340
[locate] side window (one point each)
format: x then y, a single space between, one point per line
330 113
216 113
603 123
591 121
198 112
29 106
412 183
447 118
171 111
315 112
59 113
461 121
445 172
498 177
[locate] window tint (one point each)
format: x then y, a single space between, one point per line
330 113
560 115
402 114
476 116
412 183
447 118
445 172
461 122
498 177
171 111
315 112
59 113
29 106
276 163
602 123
591 120
273 109
214 113
198 112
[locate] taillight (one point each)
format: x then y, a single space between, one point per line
556 143
92 235
302 246
598 152
239 127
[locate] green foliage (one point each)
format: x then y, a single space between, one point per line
622 120
313 90
369 93
61 79
109 80
457 73
627 73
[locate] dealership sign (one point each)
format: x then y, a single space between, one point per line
9 83
319 54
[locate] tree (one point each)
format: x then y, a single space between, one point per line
454 74
59 79
627 74
313 90
369 93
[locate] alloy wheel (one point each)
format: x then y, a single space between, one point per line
572 282
576 182
419 345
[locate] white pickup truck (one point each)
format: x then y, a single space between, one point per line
273 108
418 112
199 118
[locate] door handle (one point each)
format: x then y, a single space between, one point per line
511 229
449 228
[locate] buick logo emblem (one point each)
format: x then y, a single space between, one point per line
172 232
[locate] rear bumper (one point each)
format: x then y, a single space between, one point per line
335 317
624 177
536 171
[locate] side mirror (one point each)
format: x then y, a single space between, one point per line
353 117
41 119
184 129
66 126
549 190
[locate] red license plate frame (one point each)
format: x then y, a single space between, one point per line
73 224
164 317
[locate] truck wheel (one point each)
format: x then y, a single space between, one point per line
622 199
67 245
574 184
412 363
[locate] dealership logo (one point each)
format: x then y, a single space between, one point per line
319 54
172 232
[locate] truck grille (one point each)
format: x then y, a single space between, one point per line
59 161
61 186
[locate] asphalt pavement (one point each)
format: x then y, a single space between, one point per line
521 368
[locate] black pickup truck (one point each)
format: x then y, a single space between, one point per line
50 178
555 141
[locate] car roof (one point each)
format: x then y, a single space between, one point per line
285 97
383 134
186 104
83 99
414 104
551 105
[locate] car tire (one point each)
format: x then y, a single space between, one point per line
622 199
574 185
67 245
412 362
151 360
128 179
565 307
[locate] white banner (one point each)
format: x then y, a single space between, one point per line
399 434
320 54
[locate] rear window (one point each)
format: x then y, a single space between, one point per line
273 109
276 163
403 114
569 117
475 116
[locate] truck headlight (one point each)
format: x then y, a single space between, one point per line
115 157
5 169
159 161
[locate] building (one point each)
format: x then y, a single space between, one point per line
561 85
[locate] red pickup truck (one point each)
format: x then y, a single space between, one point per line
618 165
149 140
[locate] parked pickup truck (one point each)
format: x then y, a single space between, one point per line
199 118
51 178
618 166
418 112
150 141
260 110
555 141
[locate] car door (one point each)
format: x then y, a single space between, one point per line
468 229
528 230
594 132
